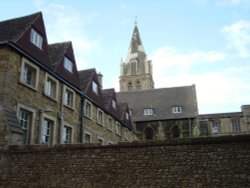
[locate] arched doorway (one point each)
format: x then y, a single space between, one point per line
175 132
148 133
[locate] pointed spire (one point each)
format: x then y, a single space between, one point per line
136 43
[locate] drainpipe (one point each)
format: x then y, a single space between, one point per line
82 135
190 127
61 117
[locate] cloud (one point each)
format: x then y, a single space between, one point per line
216 90
63 23
238 36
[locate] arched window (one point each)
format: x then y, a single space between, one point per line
175 132
138 85
130 86
148 133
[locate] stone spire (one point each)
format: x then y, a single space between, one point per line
136 71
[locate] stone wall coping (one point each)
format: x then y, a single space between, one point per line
135 144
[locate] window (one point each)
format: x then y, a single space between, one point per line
138 85
69 97
29 74
127 116
126 134
68 65
88 137
216 128
203 128
100 140
113 103
25 119
95 87
177 109
47 131
110 123
51 86
118 129
36 39
67 134
88 109
100 117
148 111
130 86
236 125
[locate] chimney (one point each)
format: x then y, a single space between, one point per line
99 76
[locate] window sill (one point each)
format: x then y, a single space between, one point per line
52 98
29 86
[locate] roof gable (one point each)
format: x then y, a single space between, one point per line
18 32
109 96
57 53
161 101
87 78
11 30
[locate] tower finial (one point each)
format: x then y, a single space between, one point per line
135 21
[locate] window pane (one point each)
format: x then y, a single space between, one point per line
67 134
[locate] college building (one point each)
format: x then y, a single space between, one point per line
45 99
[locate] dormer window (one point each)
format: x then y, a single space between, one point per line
176 109
36 39
68 65
127 116
148 111
113 104
94 87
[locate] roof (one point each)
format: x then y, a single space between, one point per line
221 115
56 53
161 101
85 77
13 28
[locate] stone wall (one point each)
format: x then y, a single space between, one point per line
199 162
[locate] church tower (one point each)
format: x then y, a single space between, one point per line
136 70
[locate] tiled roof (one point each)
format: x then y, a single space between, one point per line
161 101
221 115
12 29
56 53
85 77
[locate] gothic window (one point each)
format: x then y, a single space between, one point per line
130 86
216 128
203 128
236 125
138 85
175 132
148 133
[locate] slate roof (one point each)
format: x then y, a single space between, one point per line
13 28
161 101
56 53
221 115
84 77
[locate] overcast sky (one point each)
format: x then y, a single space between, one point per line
201 42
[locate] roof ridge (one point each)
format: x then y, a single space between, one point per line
22 17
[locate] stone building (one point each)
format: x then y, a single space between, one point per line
169 112
224 123
106 121
42 100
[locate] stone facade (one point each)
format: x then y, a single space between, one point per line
223 123
191 163
41 101
108 132
17 95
